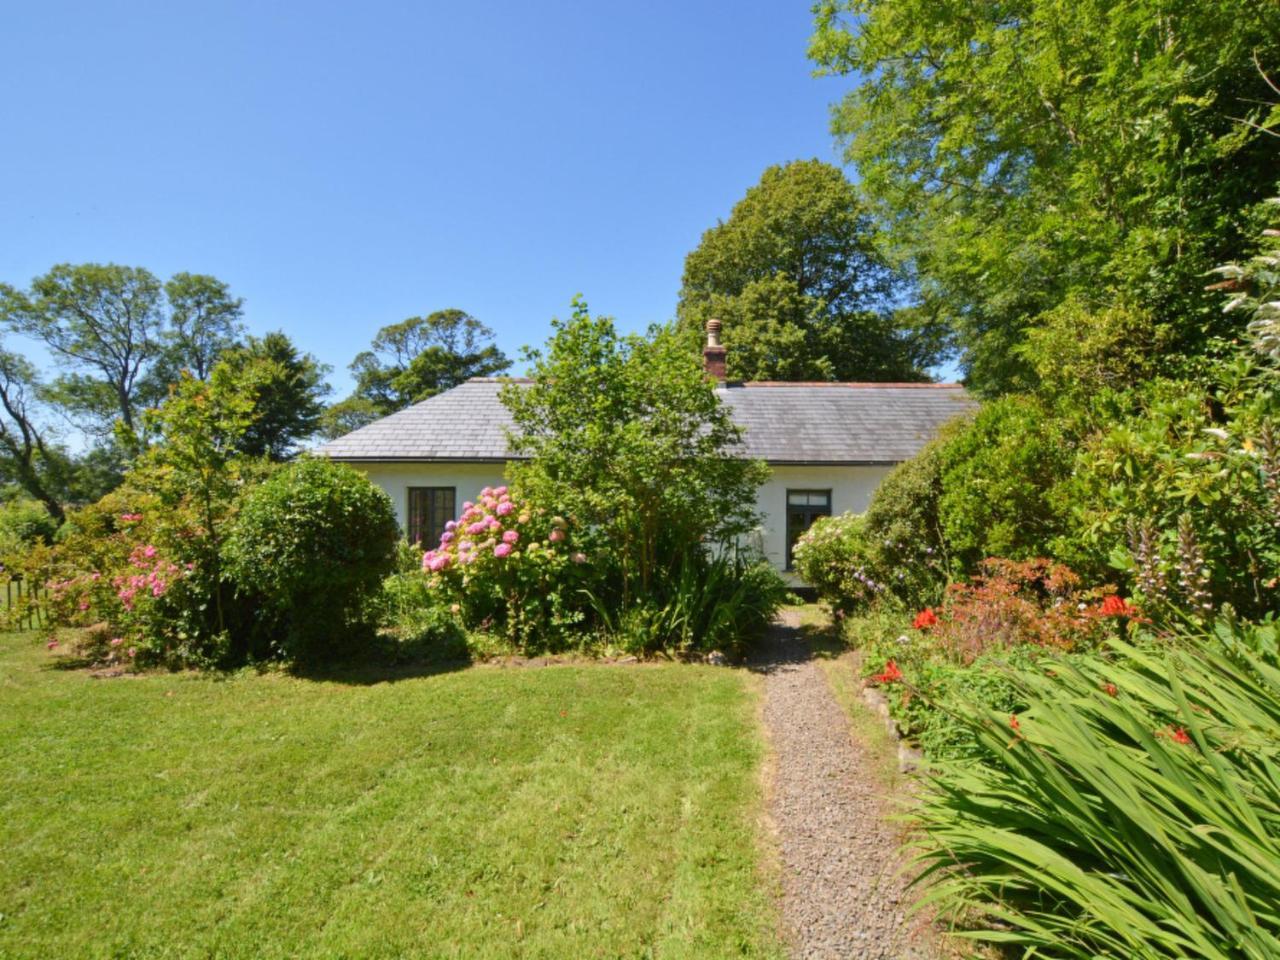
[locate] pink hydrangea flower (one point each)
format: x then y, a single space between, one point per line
466 546
505 507
452 524
500 492
510 536
494 524
446 536
502 550
478 527
148 551
556 535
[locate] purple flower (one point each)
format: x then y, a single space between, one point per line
466 546
505 507
451 525
502 550
510 536
478 527
446 536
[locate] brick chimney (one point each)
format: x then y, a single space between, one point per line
713 353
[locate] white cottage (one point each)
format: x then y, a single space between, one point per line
828 445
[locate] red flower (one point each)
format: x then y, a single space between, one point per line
1113 606
891 673
1013 721
1111 689
925 618
1178 735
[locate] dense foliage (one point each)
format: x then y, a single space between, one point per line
1130 809
1026 157
312 544
797 278
626 435
121 340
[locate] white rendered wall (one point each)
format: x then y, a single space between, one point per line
396 479
851 489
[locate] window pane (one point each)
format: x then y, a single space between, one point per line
430 508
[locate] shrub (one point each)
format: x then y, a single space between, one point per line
834 557
312 545
904 526
708 602
1000 483
24 523
1014 614
510 568
1033 601
1131 810
627 436
131 567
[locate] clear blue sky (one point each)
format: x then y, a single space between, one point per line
346 165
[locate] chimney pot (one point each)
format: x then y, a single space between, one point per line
713 354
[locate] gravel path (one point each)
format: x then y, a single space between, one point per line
841 893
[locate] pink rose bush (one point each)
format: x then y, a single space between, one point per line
506 566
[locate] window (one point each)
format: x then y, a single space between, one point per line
804 507
430 508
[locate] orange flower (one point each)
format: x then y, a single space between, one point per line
925 618
1113 606
890 674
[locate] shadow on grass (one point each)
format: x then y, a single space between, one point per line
367 672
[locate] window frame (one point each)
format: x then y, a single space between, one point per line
427 538
811 514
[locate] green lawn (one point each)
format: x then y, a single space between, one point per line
585 811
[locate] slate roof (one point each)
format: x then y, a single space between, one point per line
785 423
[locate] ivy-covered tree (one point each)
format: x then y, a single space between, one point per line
1027 155
798 280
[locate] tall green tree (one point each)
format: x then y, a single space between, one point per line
413 360
289 388
422 356
627 434
104 321
1029 155
27 457
797 278
204 322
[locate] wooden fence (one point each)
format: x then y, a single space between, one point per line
24 604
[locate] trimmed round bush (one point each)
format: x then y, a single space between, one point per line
313 543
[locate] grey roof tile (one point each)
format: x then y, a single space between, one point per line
783 423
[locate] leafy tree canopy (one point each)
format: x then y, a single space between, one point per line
289 394
627 435
796 277
422 356
1024 154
